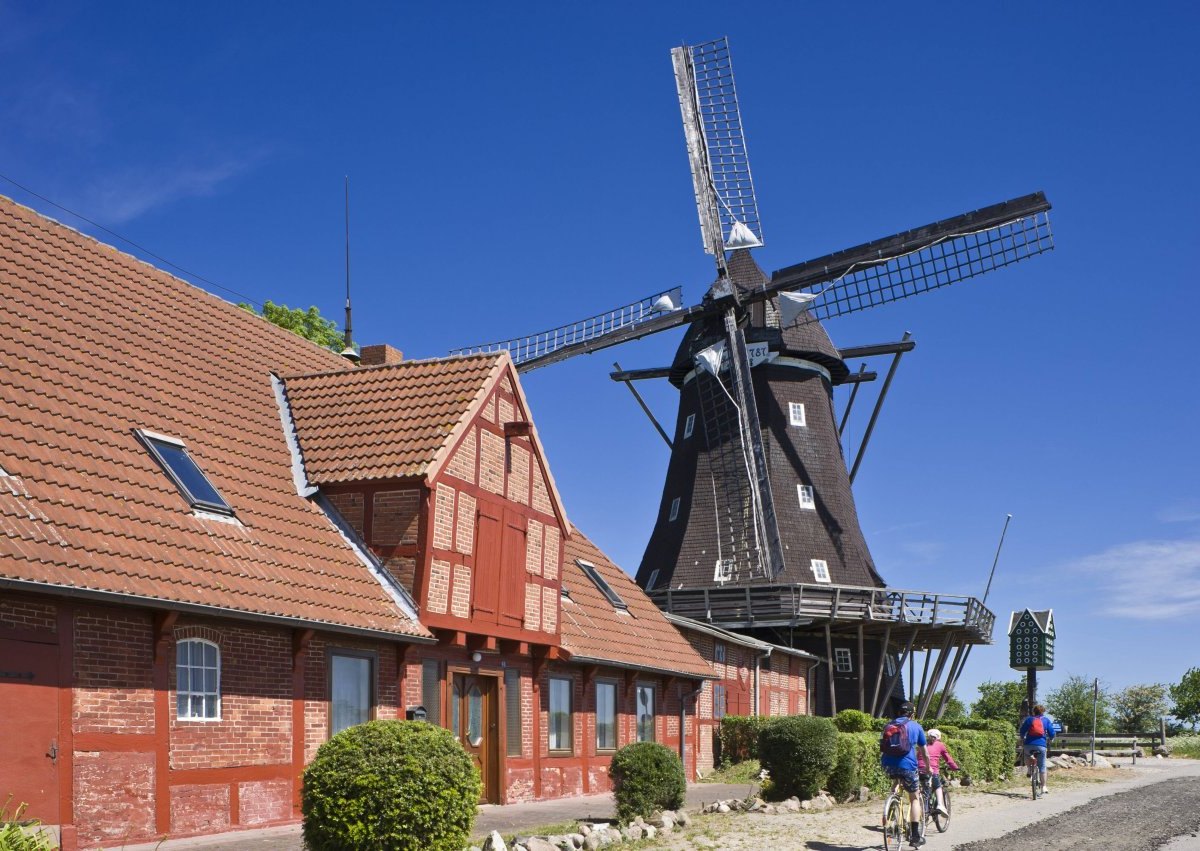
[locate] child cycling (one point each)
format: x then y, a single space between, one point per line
938 755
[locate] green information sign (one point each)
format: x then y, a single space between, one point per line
1031 640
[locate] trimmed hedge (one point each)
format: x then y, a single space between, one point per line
857 766
853 721
390 784
646 777
737 738
799 751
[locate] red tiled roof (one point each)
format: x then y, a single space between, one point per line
384 422
593 629
97 344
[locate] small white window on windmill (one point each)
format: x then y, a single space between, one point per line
842 661
724 570
820 570
689 425
796 414
807 497
674 510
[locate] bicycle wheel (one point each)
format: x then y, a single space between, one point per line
893 825
942 820
1035 780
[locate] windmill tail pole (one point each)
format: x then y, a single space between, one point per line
887 382
645 408
996 560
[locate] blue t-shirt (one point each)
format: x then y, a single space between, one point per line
1037 741
908 762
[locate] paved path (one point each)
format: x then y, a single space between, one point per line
512 818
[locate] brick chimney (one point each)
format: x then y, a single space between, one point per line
380 355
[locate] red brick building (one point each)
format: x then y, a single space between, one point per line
220 544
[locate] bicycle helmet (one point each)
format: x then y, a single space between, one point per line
934 733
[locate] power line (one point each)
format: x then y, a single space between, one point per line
128 241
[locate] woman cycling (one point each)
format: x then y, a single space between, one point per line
937 754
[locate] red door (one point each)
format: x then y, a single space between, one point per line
488 532
29 727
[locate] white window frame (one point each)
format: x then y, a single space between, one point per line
807 497
820 569
554 737
653 580
689 426
674 510
719 652
724 570
616 716
843 662
645 688
183 696
796 415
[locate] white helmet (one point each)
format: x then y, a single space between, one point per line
934 734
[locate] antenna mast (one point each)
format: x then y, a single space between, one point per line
348 350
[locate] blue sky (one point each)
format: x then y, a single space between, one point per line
518 166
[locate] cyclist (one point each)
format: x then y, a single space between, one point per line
902 742
1036 731
938 753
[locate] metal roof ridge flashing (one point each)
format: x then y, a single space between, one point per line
299 474
398 592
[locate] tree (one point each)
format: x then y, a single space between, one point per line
955 708
1138 708
309 324
1071 705
1186 698
1000 700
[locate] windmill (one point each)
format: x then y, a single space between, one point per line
758 492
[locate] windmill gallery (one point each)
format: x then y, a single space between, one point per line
207 569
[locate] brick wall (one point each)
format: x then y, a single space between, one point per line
518 473
197 808
438 597
114 796
394 517
533 547
350 506
462 462
460 601
464 534
443 518
34 615
114 656
255 727
404 569
491 462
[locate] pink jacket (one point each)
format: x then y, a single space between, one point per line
937 752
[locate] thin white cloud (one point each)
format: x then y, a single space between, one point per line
125 196
1182 512
1145 580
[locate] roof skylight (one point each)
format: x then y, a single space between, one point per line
172 456
602 584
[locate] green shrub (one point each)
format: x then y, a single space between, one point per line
390 784
737 738
857 766
1186 746
799 751
646 777
20 834
852 721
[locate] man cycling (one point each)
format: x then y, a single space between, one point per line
1036 731
902 742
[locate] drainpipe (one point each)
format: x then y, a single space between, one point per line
808 695
684 699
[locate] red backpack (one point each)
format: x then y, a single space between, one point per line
894 741
1037 730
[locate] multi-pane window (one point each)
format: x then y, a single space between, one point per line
601 583
719 701
842 661
674 509
560 714
512 711
820 570
606 716
431 691
718 651
197 680
351 690
807 498
645 713
724 570
689 426
796 414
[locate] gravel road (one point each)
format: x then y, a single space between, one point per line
1139 819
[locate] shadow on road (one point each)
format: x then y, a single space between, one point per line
826 846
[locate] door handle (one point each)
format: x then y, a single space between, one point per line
53 752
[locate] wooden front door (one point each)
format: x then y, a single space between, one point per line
475 720
29 727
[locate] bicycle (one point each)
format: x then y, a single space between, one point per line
895 820
929 803
1035 776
